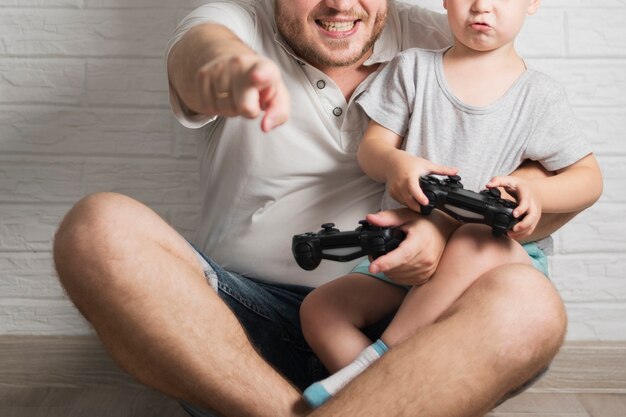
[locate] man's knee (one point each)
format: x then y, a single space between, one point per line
526 315
90 230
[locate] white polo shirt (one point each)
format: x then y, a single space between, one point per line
259 189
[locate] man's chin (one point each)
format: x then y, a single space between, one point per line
338 56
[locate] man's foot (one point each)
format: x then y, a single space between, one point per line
321 391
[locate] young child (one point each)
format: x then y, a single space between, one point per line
475 107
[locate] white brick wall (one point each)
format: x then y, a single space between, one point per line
83 108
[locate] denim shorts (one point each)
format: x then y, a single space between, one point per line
270 315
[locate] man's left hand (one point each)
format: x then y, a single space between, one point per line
417 257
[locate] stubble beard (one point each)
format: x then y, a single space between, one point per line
291 32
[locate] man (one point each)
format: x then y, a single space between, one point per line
234 346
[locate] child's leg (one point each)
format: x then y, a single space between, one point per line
332 316
471 251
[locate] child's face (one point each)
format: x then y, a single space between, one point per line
485 25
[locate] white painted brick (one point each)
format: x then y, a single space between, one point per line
596 321
590 278
41 81
584 4
29 227
83 131
589 82
110 82
22 180
86 32
613 170
127 82
597 32
153 182
604 128
41 317
38 3
599 229
144 4
29 275
542 35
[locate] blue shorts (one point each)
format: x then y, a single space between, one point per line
537 256
270 315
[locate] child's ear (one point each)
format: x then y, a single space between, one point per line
533 6
445 4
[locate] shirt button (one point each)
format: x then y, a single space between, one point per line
321 84
337 111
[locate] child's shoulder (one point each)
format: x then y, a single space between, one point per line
541 81
419 56
421 52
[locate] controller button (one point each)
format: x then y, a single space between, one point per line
328 227
455 178
494 192
364 224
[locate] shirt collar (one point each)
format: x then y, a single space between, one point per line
387 44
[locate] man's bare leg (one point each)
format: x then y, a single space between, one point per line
140 285
503 330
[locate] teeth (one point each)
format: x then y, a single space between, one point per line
337 26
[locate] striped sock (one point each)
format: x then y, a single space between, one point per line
321 391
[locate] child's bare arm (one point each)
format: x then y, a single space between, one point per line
549 222
571 190
381 158
376 149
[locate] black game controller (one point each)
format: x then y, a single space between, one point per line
309 248
486 207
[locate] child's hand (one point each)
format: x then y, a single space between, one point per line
527 202
403 179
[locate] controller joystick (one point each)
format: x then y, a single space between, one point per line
486 207
310 248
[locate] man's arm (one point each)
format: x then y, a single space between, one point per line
215 73
549 222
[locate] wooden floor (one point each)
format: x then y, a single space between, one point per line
73 377
139 402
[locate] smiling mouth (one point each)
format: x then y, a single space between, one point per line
335 26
